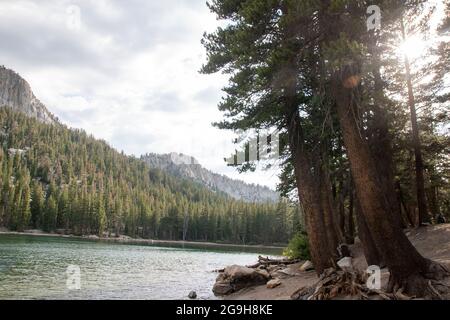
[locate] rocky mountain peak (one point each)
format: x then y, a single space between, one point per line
16 93
187 167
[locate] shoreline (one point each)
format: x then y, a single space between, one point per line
277 250
433 242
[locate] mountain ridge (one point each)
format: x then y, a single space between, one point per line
185 166
16 93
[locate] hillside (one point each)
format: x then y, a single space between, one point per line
55 178
187 167
59 179
16 93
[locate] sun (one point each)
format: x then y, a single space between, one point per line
413 47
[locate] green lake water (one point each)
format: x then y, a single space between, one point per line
37 268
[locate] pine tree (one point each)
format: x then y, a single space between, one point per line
37 205
51 213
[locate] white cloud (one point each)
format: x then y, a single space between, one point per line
128 74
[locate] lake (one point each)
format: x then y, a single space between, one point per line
35 267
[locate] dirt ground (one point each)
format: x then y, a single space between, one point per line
432 242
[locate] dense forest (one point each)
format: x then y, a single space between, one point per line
365 126
63 180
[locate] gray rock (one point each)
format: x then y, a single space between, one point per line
307 266
264 273
16 93
235 278
273 283
289 272
222 288
345 263
192 295
243 274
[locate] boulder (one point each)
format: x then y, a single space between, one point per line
273 283
264 273
273 268
289 272
235 278
222 288
243 274
307 266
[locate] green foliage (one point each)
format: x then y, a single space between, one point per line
55 178
298 247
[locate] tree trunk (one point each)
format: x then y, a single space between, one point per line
339 199
407 216
381 144
433 196
408 269
309 190
309 196
371 253
329 214
420 181
350 223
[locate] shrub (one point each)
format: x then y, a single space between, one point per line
298 247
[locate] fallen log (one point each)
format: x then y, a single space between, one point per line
266 261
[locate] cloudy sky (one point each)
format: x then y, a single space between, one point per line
125 71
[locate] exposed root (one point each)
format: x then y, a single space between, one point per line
434 291
427 284
335 284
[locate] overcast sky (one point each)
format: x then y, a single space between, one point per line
125 71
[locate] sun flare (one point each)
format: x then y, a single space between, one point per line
414 47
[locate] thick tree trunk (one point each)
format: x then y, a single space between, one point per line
339 199
309 196
371 253
407 267
350 222
329 214
381 147
309 190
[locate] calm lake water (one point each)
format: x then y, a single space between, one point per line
36 268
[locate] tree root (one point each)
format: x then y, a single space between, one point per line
334 284
427 284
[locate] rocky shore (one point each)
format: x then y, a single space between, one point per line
285 280
272 275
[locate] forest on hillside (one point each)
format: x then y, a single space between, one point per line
366 126
63 180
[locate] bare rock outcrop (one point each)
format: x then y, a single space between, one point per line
184 166
16 93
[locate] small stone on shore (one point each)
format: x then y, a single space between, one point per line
273 283
307 266
345 264
192 295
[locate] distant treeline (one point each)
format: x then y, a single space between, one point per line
56 178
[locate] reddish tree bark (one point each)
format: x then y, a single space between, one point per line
408 269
